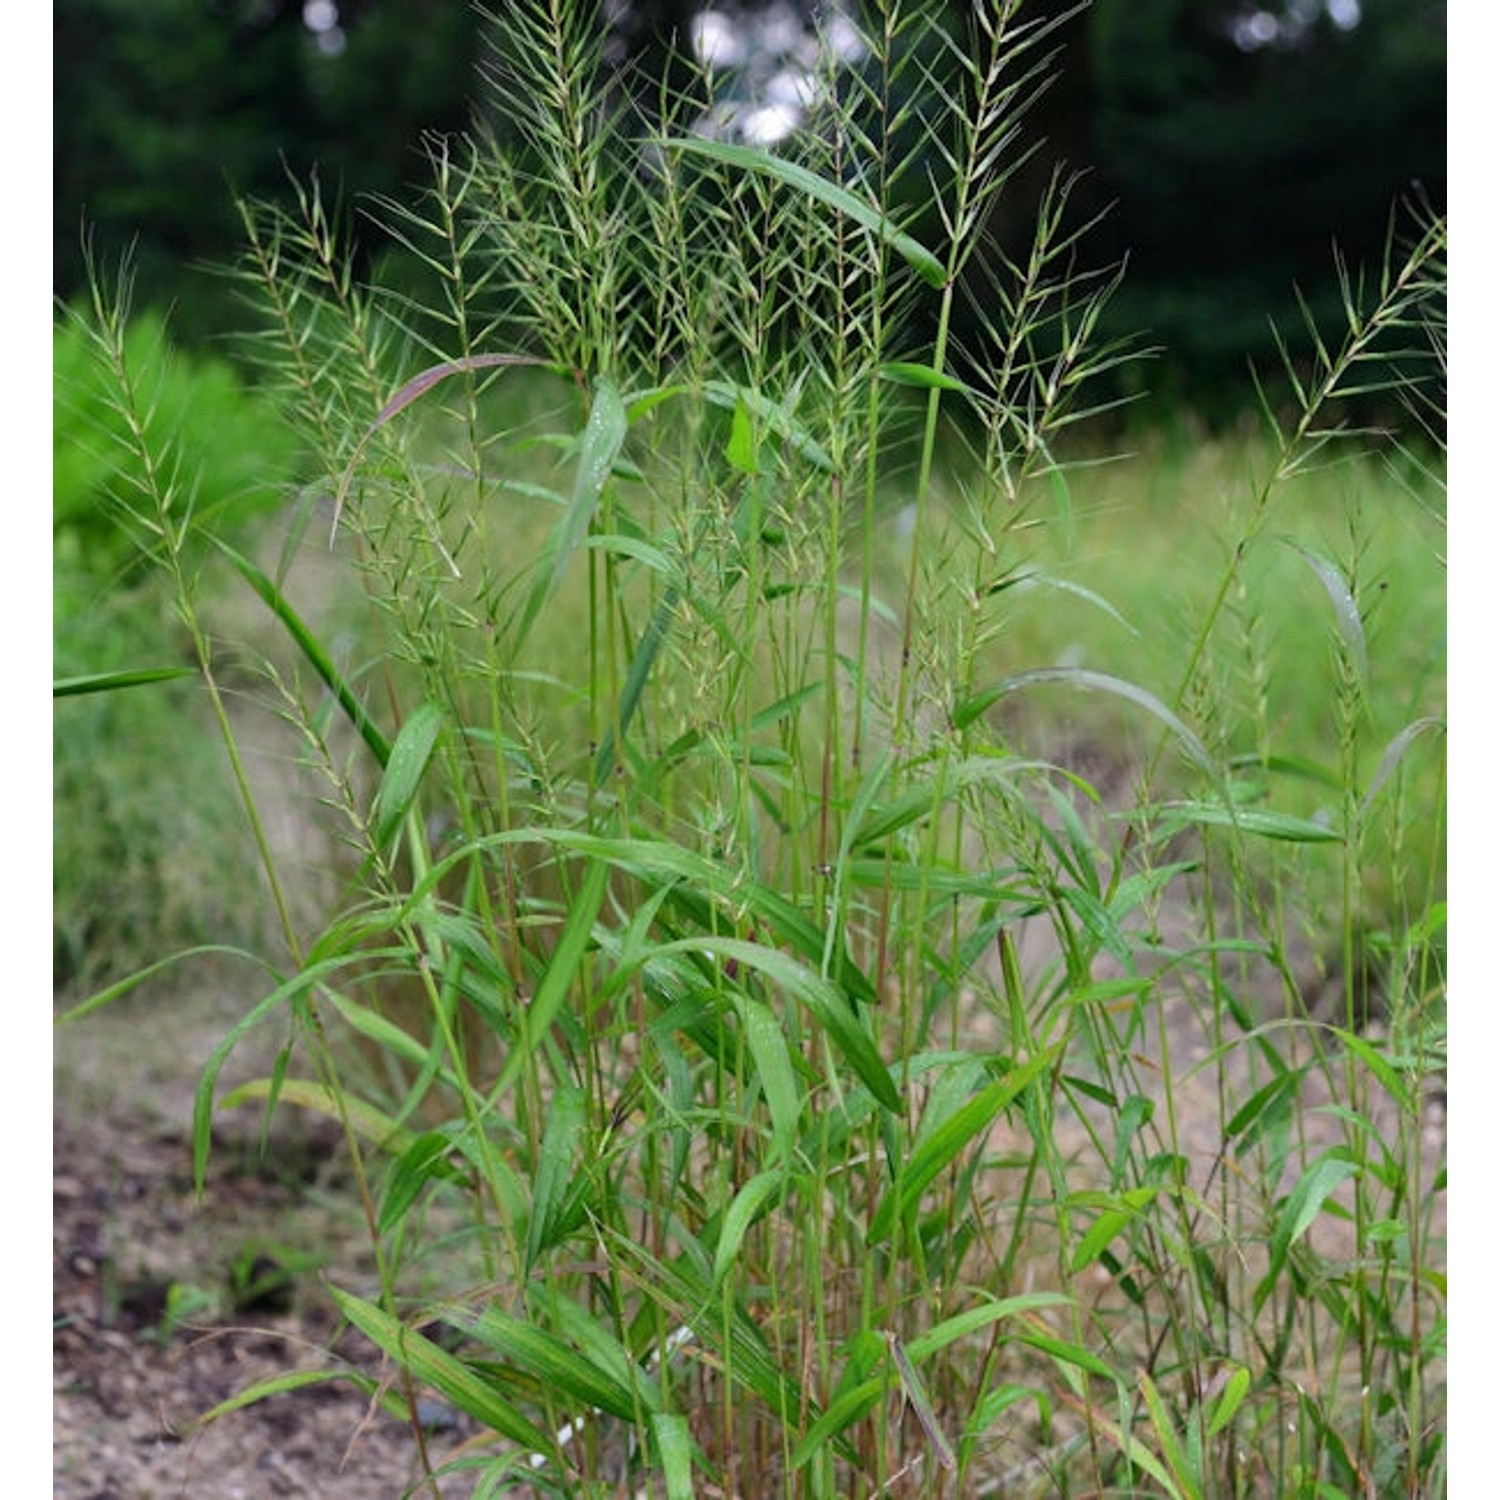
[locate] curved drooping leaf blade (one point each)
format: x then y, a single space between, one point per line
825 1002
1351 629
409 758
557 1365
312 648
432 1365
966 712
296 1380
924 377
937 1149
1263 822
750 159
1300 1208
745 1208
1394 753
418 386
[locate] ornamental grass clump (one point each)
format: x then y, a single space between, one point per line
766 1068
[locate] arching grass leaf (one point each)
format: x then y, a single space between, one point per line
921 259
848 1035
1393 754
555 1364
561 972
1300 1208
970 708
311 648
418 386
1346 618
935 1151
746 1207
404 771
1262 822
466 1388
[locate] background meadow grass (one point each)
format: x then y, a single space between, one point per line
874 948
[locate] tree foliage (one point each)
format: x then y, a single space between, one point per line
1232 147
164 112
1235 167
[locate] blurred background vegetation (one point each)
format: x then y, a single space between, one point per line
1233 142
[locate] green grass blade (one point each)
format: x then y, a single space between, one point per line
1116 1213
111 682
557 1365
455 1381
635 680
971 708
599 446
562 970
423 1160
1189 1484
553 1176
377 1127
1392 756
388 1036
681 1290
1233 1394
773 1065
773 414
1267 1107
1300 1208
296 1380
695 884
603 437
846 1408
284 994
903 372
783 708
1037 579
1300 766
746 1207
404 771
864 800
964 1324
1350 627
926 796
1068 1354
821 998
916 255
935 1151
418 386
122 987
1398 1086
312 649
674 1445
1139 1456
742 451
1262 822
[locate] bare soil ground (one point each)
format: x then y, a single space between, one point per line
132 1245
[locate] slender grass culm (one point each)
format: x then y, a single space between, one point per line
768 1064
